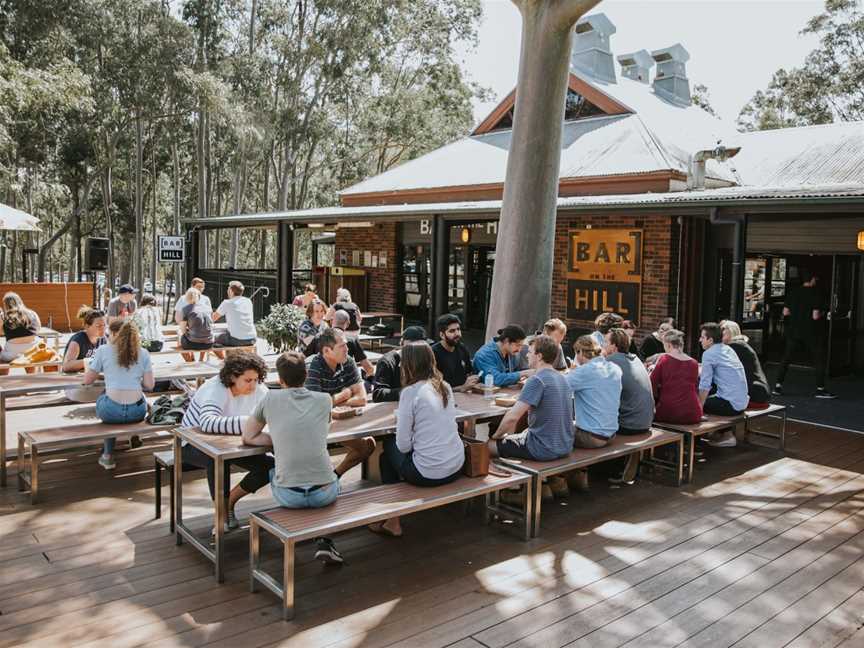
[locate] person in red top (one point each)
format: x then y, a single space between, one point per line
675 380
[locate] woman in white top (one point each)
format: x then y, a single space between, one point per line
427 450
220 406
149 321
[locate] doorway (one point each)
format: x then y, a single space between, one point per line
481 262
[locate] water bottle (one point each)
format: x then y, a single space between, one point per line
488 384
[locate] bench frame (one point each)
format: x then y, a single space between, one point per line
598 455
772 411
289 539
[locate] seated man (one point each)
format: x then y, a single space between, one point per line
298 421
452 356
636 411
333 372
555 329
722 380
388 376
603 324
498 357
238 312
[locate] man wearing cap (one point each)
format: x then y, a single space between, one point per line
388 378
123 305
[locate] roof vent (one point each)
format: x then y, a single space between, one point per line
636 65
591 52
671 79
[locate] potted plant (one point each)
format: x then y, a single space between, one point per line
281 327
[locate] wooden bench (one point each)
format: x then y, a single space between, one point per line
62 428
709 425
772 411
581 458
360 508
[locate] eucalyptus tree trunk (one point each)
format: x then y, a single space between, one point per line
522 278
138 254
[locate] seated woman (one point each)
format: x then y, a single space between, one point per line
313 324
20 327
128 373
81 348
219 406
675 381
148 318
427 450
298 421
757 383
196 325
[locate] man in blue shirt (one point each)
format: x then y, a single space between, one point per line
722 371
499 357
596 386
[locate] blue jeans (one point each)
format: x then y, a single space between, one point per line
397 466
294 499
110 411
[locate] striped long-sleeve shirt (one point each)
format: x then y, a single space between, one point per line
215 410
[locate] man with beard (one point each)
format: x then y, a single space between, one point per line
451 356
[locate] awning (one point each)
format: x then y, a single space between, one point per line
15 219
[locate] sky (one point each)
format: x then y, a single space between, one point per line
735 46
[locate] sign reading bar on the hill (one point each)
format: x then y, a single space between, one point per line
172 249
604 273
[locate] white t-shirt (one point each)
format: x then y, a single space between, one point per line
181 302
238 313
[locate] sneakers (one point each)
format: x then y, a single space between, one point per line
326 552
778 389
107 462
231 524
726 440
823 393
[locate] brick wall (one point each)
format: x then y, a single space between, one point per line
659 252
381 282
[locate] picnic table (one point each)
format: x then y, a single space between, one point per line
382 315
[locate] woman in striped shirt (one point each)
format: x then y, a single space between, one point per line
219 407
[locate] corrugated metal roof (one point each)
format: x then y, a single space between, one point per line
812 155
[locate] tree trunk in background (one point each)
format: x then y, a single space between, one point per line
522 277
77 205
155 231
138 254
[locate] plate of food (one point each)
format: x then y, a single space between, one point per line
344 412
504 400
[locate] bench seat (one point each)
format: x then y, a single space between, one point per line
710 424
773 411
360 508
620 446
66 427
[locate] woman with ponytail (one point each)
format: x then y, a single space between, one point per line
128 373
427 450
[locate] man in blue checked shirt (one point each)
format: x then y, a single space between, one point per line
500 356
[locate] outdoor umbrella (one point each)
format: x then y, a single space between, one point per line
15 219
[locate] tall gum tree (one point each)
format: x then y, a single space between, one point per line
522 278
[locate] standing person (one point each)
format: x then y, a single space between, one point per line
555 329
602 325
312 325
239 313
81 347
298 421
199 285
343 302
636 411
722 373
426 450
124 304
148 319
675 381
806 326
757 384
452 356
128 373
653 344
196 327
388 375
20 327
220 406
499 356
306 297
335 373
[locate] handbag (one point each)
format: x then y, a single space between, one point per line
476 457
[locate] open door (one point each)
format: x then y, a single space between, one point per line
841 330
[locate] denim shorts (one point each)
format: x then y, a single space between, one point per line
293 498
110 411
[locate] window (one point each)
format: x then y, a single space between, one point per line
576 107
256 248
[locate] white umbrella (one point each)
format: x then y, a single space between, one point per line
15 219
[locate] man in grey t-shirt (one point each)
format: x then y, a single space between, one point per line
124 304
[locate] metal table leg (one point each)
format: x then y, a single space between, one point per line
288 580
2 440
219 502
178 489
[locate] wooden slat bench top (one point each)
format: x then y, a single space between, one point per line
37 401
378 503
620 446
711 423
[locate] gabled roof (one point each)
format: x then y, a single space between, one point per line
810 155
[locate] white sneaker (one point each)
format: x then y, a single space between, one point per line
107 462
726 441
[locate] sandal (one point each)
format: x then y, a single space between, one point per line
380 529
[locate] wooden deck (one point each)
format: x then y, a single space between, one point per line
762 550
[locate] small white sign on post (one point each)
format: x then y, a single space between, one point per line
172 249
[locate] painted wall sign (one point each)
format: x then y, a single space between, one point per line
604 273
